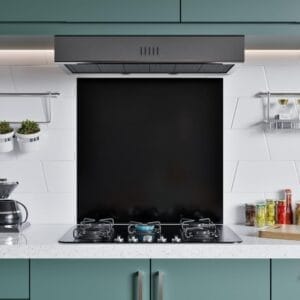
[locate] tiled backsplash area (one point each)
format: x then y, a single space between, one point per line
257 164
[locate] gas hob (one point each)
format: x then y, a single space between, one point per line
186 231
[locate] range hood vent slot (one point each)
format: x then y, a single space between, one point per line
149 54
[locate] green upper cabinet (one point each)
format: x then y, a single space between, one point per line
245 11
211 279
89 11
14 279
91 279
285 279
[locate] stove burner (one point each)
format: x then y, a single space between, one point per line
91 231
203 230
145 232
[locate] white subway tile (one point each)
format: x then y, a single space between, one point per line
9 156
283 78
284 145
60 176
245 82
229 107
249 113
6 83
43 79
265 176
234 206
55 144
229 173
297 165
49 208
245 144
29 174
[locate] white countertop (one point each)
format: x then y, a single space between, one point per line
41 241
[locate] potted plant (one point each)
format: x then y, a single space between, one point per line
6 137
28 136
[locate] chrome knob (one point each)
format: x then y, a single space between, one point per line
133 239
161 239
176 239
119 239
148 238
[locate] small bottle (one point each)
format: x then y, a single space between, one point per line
297 213
281 212
260 215
289 209
270 210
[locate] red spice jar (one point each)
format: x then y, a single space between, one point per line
281 212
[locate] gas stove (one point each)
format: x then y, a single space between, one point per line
186 231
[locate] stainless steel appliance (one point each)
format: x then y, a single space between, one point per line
150 54
11 217
186 231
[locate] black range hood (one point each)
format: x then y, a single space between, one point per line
149 54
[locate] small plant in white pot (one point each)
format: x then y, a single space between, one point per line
6 137
28 136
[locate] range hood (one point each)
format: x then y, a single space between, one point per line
149 54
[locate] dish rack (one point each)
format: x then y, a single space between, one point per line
272 123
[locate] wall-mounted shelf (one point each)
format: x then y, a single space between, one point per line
273 123
45 102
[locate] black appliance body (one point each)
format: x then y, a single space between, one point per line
149 150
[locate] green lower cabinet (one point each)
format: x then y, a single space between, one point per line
78 279
14 279
285 279
211 279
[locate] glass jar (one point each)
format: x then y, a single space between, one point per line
270 212
260 219
281 212
250 214
297 213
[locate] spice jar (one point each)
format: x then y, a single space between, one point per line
281 212
250 214
260 215
270 212
297 213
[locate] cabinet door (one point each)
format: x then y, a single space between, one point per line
285 279
211 279
240 11
93 279
14 279
89 11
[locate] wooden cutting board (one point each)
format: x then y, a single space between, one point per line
284 232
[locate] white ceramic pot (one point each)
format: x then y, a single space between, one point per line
7 142
28 142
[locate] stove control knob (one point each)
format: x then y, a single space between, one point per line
119 239
161 239
133 239
176 239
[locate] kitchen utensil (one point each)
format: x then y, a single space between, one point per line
6 187
284 232
10 213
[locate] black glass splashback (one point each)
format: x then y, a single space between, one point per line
150 149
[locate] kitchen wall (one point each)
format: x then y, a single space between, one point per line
257 164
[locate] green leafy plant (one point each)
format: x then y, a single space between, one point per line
29 127
5 127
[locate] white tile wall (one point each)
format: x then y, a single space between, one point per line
257 164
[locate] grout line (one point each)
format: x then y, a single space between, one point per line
266 78
234 113
267 145
234 176
44 173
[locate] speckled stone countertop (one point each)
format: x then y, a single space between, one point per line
41 241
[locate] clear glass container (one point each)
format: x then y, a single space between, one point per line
260 215
270 212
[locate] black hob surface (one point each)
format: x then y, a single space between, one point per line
187 231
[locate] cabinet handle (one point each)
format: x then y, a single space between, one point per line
160 286
139 276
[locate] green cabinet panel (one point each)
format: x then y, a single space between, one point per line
89 11
240 11
14 279
94 279
286 279
211 279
